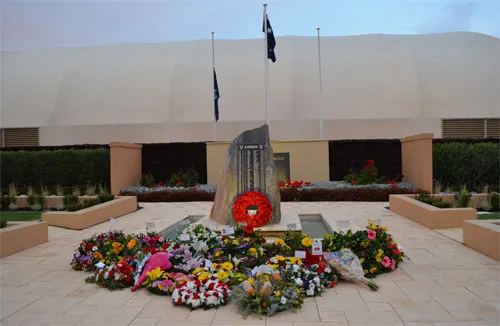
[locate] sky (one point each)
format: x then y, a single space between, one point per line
34 24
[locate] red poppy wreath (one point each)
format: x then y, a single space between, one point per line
248 199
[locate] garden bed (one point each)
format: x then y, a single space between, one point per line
19 236
483 236
428 215
87 217
317 191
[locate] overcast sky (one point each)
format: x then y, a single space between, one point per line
35 24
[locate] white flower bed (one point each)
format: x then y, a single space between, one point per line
337 185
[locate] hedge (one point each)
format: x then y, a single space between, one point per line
472 164
287 195
67 167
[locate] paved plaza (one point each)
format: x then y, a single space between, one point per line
444 283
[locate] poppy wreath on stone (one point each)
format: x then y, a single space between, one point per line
256 199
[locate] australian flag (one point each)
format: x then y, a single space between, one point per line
216 97
271 41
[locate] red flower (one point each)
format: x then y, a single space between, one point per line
248 229
180 183
371 162
311 259
195 188
179 301
332 284
352 182
321 268
395 186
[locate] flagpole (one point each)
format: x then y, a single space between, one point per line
320 91
266 67
213 94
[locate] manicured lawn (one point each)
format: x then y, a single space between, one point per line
20 216
493 216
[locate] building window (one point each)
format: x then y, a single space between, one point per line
471 128
18 137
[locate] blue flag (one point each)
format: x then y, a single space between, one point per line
216 97
271 41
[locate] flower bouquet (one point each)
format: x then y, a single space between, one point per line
115 276
306 280
348 266
266 295
163 283
206 294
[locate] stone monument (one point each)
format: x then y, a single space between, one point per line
247 191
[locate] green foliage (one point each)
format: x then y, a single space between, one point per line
70 200
3 224
147 180
5 202
101 198
462 199
471 164
31 199
495 202
434 201
64 167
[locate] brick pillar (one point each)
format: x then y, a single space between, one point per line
416 159
126 165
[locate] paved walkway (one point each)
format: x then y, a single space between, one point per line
444 283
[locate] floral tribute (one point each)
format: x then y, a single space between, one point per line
255 199
369 175
201 270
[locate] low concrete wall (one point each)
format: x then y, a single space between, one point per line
93 215
483 236
19 236
50 202
428 215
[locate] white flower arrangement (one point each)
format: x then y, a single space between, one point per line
209 293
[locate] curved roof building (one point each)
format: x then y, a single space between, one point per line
374 86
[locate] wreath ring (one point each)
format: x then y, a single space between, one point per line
252 198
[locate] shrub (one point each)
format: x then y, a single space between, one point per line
105 197
66 167
5 202
369 175
70 200
462 199
147 180
3 224
495 202
434 201
471 164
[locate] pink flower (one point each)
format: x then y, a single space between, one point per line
386 262
393 264
372 234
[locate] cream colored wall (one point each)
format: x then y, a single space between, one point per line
309 160
374 86
416 161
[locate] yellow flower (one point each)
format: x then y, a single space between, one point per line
203 276
278 293
279 242
236 242
365 243
280 258
131 244
253 251
222 276
227 266
374 227
250 280
370 221
307 242
160 286
298 290
361 260
225 241
385 228
365 271
378 259
198 270
154 274
373 269
380 251
294 260
218 253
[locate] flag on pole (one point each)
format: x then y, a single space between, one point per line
271 41
216 97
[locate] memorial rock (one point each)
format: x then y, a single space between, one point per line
248 168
